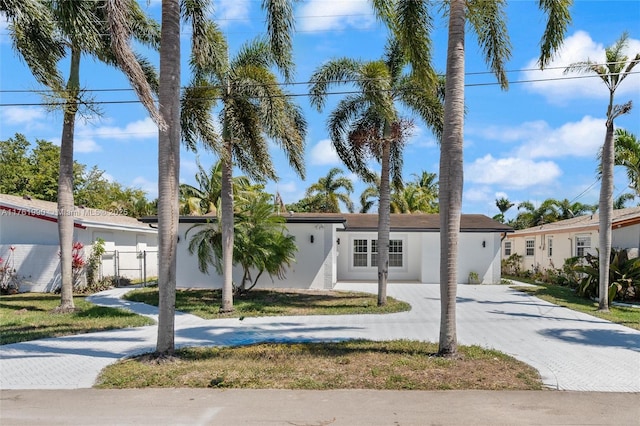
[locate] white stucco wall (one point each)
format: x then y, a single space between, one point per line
36 242
314 267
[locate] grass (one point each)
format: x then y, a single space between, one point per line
205 303
360 364
566 297
28 316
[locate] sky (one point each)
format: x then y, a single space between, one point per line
537 140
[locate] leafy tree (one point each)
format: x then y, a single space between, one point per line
329 191
411 21
621 201
367 124
260 241
566 209
100 29
615 69
14 166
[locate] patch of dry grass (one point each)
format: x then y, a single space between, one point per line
399 364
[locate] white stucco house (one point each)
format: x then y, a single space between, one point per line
547 246
342 247
29 226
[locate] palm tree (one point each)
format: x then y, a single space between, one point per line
621 201
503 204
616 68
566 209
101 29
487 20
254 109
627 154
204 198
326 192
204 48
260 241
367 124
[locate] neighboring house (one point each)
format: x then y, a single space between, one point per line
547 246
30 227
342 247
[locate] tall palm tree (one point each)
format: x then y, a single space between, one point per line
487 20
204 45
254 109
103 30
627 154
615 69
367 124
331 190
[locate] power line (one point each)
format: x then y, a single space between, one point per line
290 95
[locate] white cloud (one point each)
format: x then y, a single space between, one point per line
141 129
85 145
22 115
537 139
151 188
227 11
511 173
323 154
577 48
578 139
317 15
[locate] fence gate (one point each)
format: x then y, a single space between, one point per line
134 265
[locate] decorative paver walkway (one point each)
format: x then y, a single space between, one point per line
571 350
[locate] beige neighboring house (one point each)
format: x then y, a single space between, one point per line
547 246
29 239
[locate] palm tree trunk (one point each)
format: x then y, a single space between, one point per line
168 174
451 178
65 185
384 223
606 211
226 201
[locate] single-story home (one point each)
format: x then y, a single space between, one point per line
547 246
29 240
342 247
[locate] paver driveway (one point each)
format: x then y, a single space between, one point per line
572 351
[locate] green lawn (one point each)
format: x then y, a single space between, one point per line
205 303
566 297
29 316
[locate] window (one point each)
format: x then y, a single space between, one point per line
583 244
360 253
530 247
374 253
550 247
395 253
507 248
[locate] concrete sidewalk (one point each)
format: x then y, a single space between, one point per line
275 407
572 351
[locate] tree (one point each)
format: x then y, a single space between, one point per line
326 194
503 204
101 29
254 108
615 69
260 241
367 124
566 209
487 20
627 154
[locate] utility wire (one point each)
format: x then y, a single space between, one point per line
288 95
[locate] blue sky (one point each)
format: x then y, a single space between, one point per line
537 140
